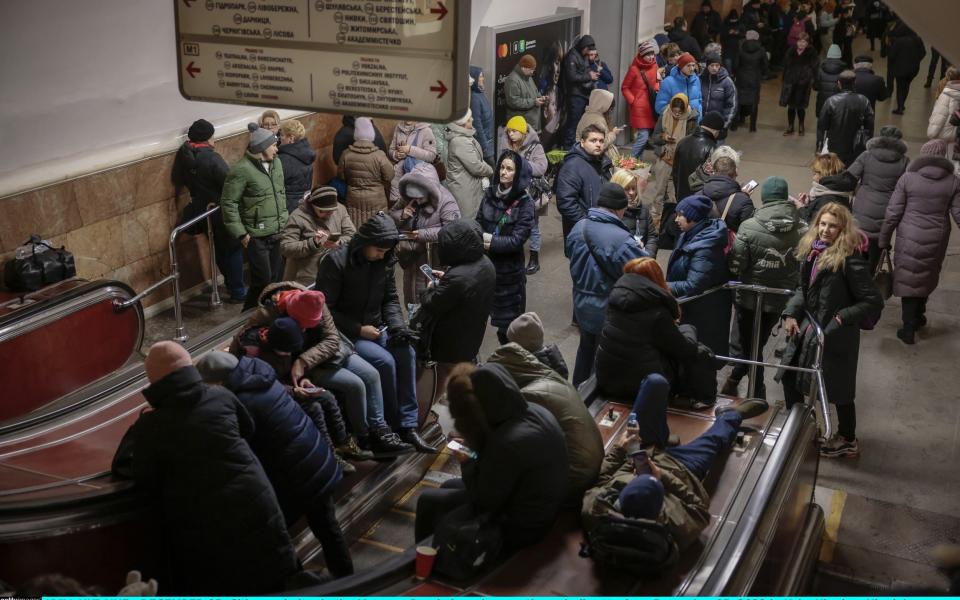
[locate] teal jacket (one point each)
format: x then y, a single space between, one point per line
254 201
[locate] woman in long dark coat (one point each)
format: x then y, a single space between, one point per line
837 288
918 211
752 68
799 73
506 217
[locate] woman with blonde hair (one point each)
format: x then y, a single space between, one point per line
831 183
836 289
270 119
637 217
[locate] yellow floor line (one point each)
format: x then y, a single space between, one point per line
837 501
382 546
406 513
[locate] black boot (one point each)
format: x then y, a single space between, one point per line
410 436
907 335
386 444
533 267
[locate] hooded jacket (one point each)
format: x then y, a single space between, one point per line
460 303
297 243
575 76
297 459
297 159
763 253
719 94
676 83
509 220
878 169
637 94
360 292
540 385
223 531
578 183
530 149
520 94
832 188
253 201
344 137
437 209
465 169
719 188
752 68
598 247
828 74
366 170
948 102
520 475
595 114
918 211
482 115
639 337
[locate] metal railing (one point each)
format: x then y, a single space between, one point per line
817 387
174 276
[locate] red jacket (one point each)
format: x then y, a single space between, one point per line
635 93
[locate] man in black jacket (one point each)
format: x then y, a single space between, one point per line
841 119
198 167
223 531
454 310
582 172
722 187
361 293
691 153
577 79
869 84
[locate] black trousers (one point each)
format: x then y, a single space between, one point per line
322 519
932 70
749 110
435 504
846 413
266 266
902 85
745 318
913 311
794 113
873 254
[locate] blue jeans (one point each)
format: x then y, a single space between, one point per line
358 384
651 409
641 142
535 234
397 365
698 455
586 357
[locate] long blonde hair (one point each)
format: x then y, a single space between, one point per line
848 242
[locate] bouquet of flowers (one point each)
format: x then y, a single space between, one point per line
626 161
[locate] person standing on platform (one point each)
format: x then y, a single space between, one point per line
521 95
578 81
482 114
752 69
870 85
844 120
466 169
639 89
297 158
903 62
367 171
799 75
581 173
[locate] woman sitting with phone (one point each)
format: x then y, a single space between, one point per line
319 225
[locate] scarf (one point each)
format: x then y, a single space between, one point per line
817 190
670 126
502 192
816 249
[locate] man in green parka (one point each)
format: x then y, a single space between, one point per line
520 93
254 206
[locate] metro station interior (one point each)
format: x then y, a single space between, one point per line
110 253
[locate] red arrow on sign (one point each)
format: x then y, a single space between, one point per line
440 10
187 2
192 70
442 89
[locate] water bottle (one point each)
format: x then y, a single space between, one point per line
632 422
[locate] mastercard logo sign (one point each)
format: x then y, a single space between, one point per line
503 50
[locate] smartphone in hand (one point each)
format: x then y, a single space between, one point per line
427 271
456 446
749 186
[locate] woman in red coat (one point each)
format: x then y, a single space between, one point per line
639 87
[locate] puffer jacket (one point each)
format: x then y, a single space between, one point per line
686 503
639 223
675 83
639 336
827 77
752 67
520 94
575 74
506 246
918 211
359 292
763 253
637 95
482 115
595 114
465 169
530 149
297 159
719 188
344 137
841 117
297 244
192 459
253 201
696 265
423 147
297 459
720 95
460 303
598 247
578 184
367 171
878 169
203 171
520 476
540 385
692 151
948 102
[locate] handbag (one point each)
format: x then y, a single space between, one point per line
43 266
860 139
883 275
651 94
466 545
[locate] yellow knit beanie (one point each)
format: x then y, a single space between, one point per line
517 123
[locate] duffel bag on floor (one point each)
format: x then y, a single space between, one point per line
38 264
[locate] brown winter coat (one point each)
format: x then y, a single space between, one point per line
918 212
297 244
367 171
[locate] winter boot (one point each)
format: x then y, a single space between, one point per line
350 450
747 409
410 436
386 444
730 386
533 267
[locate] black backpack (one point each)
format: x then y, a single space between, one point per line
638 546
466 544
45 265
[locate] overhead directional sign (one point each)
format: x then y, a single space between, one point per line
402 59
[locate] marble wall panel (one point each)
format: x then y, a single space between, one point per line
105 195
152 181
146 231
98 248
49 212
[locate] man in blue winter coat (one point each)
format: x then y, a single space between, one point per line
581 173
298 461
719 92
682 80
598 246
482 114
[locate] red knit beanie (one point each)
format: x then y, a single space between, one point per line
685 59
305 307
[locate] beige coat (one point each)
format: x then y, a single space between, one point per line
465 169
297 243
939 124
595 114
367 172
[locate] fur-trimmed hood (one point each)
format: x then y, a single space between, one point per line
931 167
887 149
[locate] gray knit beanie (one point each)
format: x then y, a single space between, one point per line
260 138
527 330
